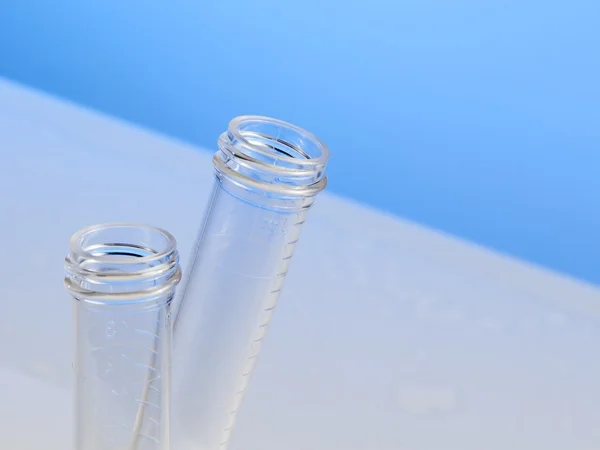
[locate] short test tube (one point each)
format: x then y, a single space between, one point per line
267 175
122 278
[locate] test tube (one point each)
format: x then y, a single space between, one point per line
122 278
268 173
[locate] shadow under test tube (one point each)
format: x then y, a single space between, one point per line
268 174
122 278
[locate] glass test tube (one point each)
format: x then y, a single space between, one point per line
122 278
268 174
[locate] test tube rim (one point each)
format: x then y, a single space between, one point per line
77 249
235 130
161 264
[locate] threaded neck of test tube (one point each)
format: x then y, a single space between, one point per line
122 262
270 155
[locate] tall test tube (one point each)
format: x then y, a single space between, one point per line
122 278
268 174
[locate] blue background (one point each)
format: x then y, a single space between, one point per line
477 118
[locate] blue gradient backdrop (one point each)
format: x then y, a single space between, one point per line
478 118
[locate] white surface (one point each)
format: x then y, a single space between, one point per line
387 335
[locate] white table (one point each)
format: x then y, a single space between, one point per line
388 336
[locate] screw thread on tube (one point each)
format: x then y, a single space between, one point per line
268 173
122 278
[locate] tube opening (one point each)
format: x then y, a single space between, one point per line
278 139
103 243
272 155
122 260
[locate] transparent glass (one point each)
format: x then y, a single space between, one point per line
122 278
268 174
